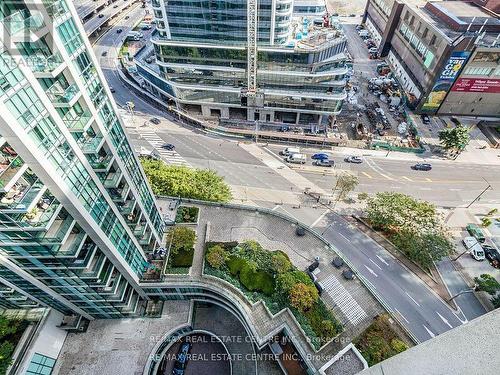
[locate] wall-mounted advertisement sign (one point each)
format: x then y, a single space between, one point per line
443 84
491 86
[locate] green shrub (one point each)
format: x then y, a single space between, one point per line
184 182
287 280
235 264
186 214
398 346
180 237
379 341
280 262
216 256
303 296
183 258
323 321
256 280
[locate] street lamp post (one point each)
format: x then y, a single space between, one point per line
480 194
471 290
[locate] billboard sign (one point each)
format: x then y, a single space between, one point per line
443 84
485 85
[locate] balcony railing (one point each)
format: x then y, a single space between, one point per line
101 163
90 145
77 122
62 95
46 64
21 20
57 9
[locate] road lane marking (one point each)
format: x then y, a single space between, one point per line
366 174
276 207
431 334
344 237
319 218
406 178
370 270
444 320
382 259
428 179
376 265
413 299
402 316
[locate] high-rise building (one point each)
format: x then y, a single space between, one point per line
77 217
246 59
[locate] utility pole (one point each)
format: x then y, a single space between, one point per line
480 194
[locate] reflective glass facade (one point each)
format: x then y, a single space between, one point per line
77 218
201 56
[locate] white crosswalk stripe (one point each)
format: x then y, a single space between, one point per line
171 157
343 299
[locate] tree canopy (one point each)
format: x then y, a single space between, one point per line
414 226
346 183
455 138
184 182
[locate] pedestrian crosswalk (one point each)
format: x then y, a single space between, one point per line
170 157
341 297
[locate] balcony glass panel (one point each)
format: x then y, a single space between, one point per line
77 121
46 64
21 20
58 94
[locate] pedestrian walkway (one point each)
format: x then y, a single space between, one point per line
170 157
341 297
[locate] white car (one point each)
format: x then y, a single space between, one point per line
469 242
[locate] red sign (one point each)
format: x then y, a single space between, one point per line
477 85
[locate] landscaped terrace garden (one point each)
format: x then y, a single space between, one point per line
270 276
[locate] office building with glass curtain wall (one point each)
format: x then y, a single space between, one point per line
201 60
77 217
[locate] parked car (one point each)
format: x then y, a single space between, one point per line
323 163
182 359
469 242
155 121
476 232
101 15
149 60
492 255
290 150
168 146
119 31
296 158
425 119
112 89
320 156
422 167
104 54
477 252
353 159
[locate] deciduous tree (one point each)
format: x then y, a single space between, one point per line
303 296
454 138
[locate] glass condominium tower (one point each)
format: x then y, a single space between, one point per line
77 217
202 60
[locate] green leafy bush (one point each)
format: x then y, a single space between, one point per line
379 341
303 296
184 182
186 214
216 256
287 280
183 258
180 237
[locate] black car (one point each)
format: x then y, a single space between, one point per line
422 167
119 31
104 54
155 121
492 255
425 119
168 147
101 15
182 359
324 163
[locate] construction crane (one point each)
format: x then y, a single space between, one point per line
252 95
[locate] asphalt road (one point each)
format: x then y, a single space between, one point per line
423 312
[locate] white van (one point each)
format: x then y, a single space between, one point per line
135 35
477 252
296 158
290 150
